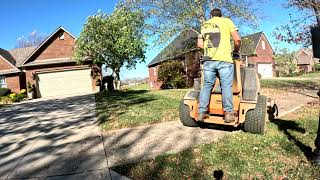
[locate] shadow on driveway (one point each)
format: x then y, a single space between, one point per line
47 138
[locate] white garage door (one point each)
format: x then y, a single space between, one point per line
64 83
265 70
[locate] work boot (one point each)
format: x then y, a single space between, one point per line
229 117
201 117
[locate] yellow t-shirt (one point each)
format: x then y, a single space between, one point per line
216 33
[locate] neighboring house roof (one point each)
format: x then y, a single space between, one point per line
6 54
306 60
187 41
20 54
7 58
184 42
44 42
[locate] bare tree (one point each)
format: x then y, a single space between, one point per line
297 30
33 39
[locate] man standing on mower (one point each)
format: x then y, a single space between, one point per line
215 39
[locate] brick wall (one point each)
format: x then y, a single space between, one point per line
13 82
153 78
263 54
56 47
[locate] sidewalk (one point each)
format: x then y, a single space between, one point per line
141 143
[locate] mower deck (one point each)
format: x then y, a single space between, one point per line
219 120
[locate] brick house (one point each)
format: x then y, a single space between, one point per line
305 60
10 75
258 53
49 67
182 48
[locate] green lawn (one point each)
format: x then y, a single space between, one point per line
310 75
279 154
139 87
290 84
130 108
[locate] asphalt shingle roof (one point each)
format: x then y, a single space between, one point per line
20 54
250 46
184 42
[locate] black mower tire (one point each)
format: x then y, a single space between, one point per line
184 114
255 121
250 84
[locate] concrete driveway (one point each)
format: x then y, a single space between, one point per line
52 139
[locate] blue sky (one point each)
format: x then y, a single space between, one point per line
21 17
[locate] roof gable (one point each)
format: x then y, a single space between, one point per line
7 67
265 37
303 56
46 42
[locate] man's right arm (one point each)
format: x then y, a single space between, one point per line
237 40
200 41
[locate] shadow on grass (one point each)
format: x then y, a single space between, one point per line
284 126
184 165
111 103
218 174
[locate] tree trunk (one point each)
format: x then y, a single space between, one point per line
117 80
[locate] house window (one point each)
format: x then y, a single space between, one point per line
263 45
154 71
3 82
61 36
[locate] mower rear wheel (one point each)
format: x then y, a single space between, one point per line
184 113
256 118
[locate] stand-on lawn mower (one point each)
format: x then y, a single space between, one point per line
250 106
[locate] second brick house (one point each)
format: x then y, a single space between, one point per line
258 54
49 67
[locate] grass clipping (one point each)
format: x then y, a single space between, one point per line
282 153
